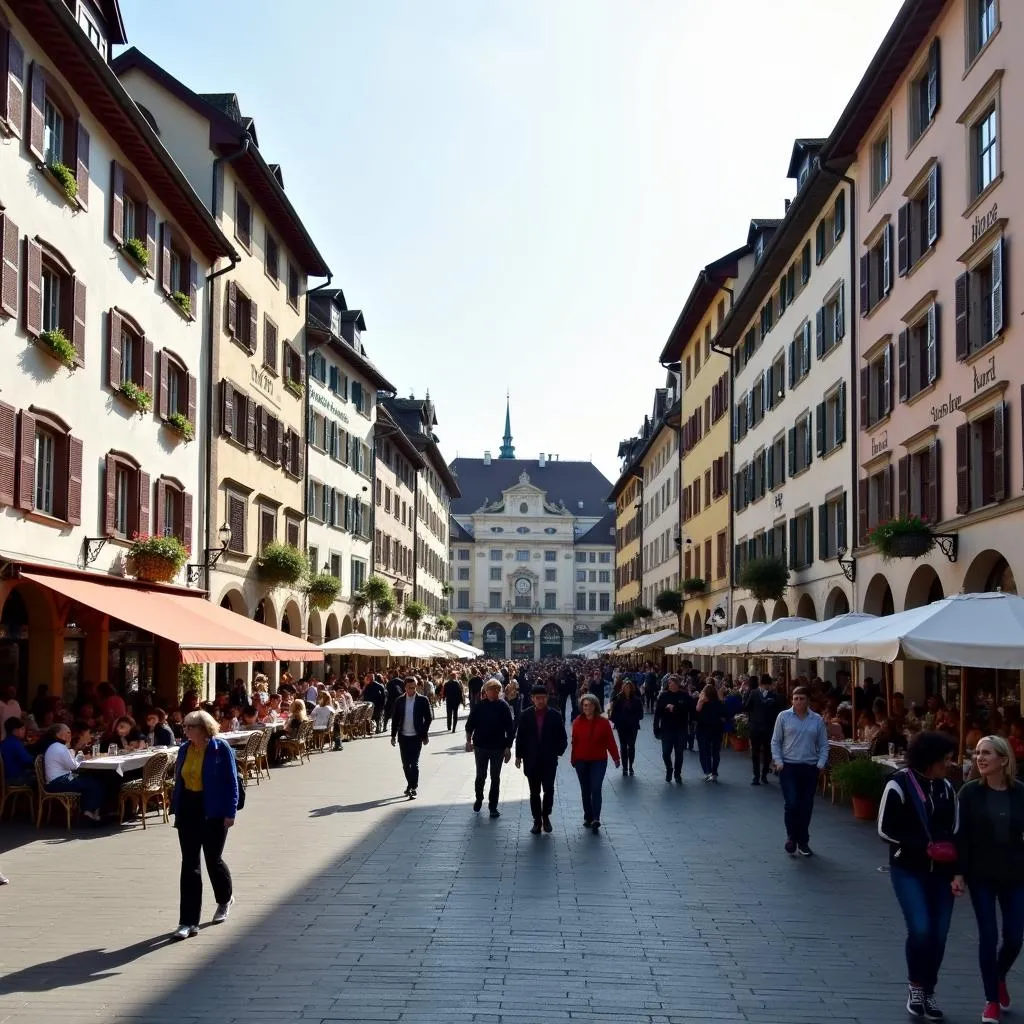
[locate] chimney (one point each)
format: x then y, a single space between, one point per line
487 458
541 461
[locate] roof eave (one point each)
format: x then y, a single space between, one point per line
322 335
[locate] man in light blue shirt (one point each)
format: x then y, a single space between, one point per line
800 752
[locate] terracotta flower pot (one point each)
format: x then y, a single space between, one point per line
864 809
911 545
152 569
740 743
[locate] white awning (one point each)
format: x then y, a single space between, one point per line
649 641
784 642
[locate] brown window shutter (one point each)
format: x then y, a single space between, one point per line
298 455
143 523
161 498
37 93
82 166
286 447
262 430
114 349
33 314
961 313
1000 464
147 365
227 408
887 494
165 257
186 520
117 202
161 388
13 96
151 237
250 424
193 287
230 307
903 486
865 400
253 327
9 266
78 324
963 468
26 461
110 495
300 362
73 513
8 453
236 520
862 511
192 396
933 506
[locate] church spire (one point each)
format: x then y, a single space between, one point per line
507 450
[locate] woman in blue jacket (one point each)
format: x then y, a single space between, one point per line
204 804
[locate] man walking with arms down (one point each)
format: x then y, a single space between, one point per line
540 742
410 727
762 707
800 752
490 730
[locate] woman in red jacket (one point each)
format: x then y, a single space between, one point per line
592 742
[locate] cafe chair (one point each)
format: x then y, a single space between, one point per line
322 738
263 757
836 755
69 801
249 757
14 794
297 746
140 793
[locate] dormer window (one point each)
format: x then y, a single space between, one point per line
91 27
759 249
805 170
336 321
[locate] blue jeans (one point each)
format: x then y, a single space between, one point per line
591 776
927 904
799 782
996 961
91 791
673 742
709 746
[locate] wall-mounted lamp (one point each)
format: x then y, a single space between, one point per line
211 556
848 565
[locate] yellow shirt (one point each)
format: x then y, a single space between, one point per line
192 768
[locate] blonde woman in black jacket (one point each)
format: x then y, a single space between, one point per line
991 865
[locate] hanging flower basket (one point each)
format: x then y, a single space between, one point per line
156 559
694 585
765 578
903 537
281 565
322 590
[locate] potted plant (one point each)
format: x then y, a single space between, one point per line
156 559
741 733
295 387
139 397
59 347
642 612
669 602
414 611
179 423
864 781
136 249
182 301
765 578
322 590
281 565
445 623
694 585
903 537
65 178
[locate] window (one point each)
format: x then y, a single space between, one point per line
881 163
917 354
604 557
581 601
924 94
463 575
721 557
335 566
592 576
293 286
592 602
830 420
272 258
241 317
126 501
876 389
830 323
268 527
550 556
917 476
982 21
876 271
358 574
293 365
875 501
550 601
243 220
270 345
46 446
801 540
495 555
494 600
581 575
464 554
980 298
92 30
767 319
53 132
799 355
918 223
832 527
604 602
800 445
462 600
550 575
805 264
775 463
236 509
581 556
522 555
984 135
495 574
982 465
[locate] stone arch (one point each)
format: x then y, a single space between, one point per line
315 631
988 572
233 600
33 634
361 626
266 613
464 628
780 611
687 628
346 624
759 613
878 596
552 641
494 640
837 603
741 616
331 627
923 588
291 619
805 607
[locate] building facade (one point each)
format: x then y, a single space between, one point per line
342 387
257 406
106 250
627 496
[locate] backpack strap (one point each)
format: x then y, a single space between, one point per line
917 798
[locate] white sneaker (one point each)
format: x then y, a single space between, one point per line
184 931
220 915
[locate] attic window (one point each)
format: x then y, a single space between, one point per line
91 27
759 249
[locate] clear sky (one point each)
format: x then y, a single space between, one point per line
519 193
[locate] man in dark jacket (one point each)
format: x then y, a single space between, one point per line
476 684
540 742
762 707
567 691
410 727
453 700
375 693
490 730
394 690
672 713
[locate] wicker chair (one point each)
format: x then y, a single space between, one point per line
14 794
322 738
836 755
263 755
297 746
69 801
248 757
151 788
366 720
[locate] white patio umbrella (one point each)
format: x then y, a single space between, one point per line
648 641
468 648
785 641
739 646
356 643
969 630
706 644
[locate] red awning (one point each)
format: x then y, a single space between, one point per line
203 631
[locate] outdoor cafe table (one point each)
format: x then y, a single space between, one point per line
238 738
120 763
854 749
892 764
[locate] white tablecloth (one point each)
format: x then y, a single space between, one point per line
121 763
239 738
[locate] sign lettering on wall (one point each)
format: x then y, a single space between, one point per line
983 222
319 398
986 376
951 404
263 380
880 443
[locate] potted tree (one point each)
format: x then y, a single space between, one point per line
694 585
414 611
741 733
281 565
765 578
903 537
156 559
376 591
445 623
322 590
864 781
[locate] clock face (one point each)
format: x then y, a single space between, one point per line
522 587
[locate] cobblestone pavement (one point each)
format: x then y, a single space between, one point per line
354 904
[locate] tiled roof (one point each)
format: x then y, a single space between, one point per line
600 533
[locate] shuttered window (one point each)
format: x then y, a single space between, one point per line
129 353
179 272
243 220
126 505
177 389
241 317
293 286
272 258
9 240
236 515
56 135
55 299
48 462
270 345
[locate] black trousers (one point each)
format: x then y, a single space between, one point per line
627 740
761 753
488 762
199 834
673 743
410 748
542 777
452 707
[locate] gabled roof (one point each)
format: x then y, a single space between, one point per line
457 532
227 134
53 26
111 11
386 428
763 224
802 148
566 482
319 333
602 532
412 414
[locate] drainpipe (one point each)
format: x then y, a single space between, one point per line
730 545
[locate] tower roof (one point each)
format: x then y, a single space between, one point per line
507 450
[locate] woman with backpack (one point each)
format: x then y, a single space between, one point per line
917 817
